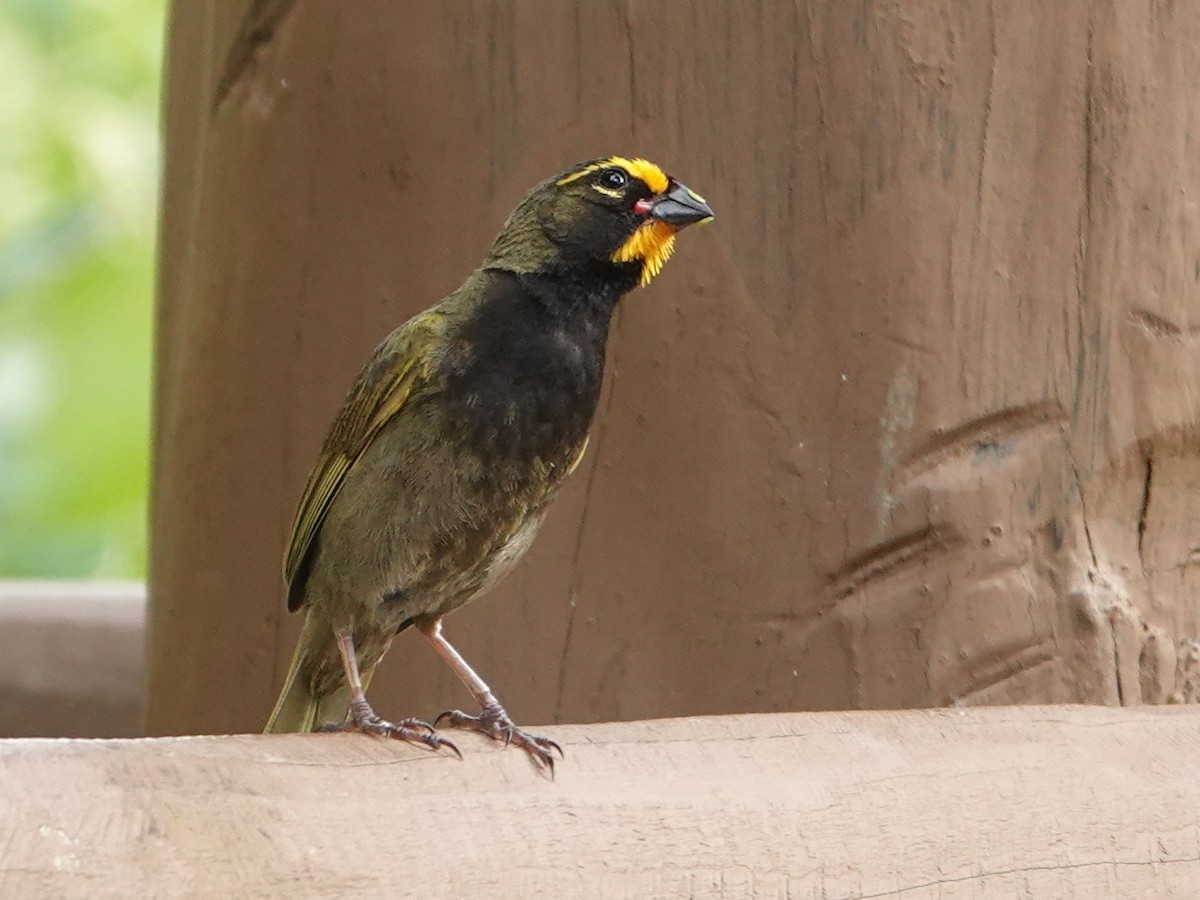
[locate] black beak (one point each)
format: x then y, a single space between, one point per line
680 206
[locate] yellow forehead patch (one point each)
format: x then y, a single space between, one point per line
654 177
652 245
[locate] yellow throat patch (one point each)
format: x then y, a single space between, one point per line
652 244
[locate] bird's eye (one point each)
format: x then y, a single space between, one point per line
613 179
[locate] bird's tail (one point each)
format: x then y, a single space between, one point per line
299 708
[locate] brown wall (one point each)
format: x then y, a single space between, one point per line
914 423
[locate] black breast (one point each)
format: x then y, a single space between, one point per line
527 371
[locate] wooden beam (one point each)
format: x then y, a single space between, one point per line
1003 802
72 656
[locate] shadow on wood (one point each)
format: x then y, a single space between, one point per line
1039 801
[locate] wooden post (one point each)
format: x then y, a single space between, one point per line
913 423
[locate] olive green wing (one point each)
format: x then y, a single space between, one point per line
399 366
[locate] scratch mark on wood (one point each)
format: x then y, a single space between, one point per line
1158 327
1083 511
883 560
980 877
944 446
1016 664
258 29
1143 509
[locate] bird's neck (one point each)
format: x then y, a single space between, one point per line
579 292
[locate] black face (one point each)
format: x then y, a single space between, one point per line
595 214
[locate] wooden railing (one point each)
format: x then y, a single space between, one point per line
71 658
1001 802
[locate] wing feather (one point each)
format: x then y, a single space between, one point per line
398 367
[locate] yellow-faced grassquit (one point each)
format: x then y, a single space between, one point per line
439 468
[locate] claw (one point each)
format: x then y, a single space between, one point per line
494 722
439 742
415 731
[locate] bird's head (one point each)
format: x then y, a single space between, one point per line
615 218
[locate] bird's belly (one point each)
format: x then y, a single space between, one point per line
423 525
510 552
458 584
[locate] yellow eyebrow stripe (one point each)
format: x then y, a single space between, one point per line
654 177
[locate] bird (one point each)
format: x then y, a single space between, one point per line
438 470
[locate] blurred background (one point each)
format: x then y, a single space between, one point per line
79 87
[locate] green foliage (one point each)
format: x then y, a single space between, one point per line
78 175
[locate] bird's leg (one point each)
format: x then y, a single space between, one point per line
365 719
492 719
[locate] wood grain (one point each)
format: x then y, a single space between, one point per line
1032 802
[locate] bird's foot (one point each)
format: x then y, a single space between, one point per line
494 722
365 720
